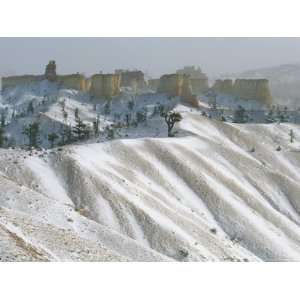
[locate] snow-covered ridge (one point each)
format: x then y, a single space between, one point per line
217 191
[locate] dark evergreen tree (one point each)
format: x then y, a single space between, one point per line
30 108
51 138
80 130
171 118
32 131
2 137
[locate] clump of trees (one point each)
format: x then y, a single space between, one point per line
32 131
52 137
171 118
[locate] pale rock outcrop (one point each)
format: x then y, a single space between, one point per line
223 86
198 79
134 79
177 85
73 81
105 85
153 84
12 81
170 84
246 89
257 89
50 72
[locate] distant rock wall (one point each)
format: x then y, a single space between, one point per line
199 80
177 85
73 81
12 81
257 89
135 79
170 84
105 85
153 84
223 86
246 89
199 85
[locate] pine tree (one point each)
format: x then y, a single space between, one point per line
80 130
2 122
96 126
2 137
51 138
30 108
32 131
292 136
76 113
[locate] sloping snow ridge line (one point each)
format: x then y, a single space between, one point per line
200 196
217 191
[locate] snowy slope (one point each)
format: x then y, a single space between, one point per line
202 196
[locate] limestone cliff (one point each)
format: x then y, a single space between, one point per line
223 86
253 89
199 80
177 85
246 89
12 81
199 85
73 81
153 84
105 85
170 84
133 79
50 72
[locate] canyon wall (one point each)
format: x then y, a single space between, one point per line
199 85
73 81
177 85
170 84
198 79
257 89
153 84
223 86
133 79
12 81
246 89
105 85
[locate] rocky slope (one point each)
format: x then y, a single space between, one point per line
216 192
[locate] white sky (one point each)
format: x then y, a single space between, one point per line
152 55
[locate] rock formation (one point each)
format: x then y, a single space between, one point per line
253 89
177 85
73 81
153 84
170 84
223 86
199 80
50 72
246 89
12 81
105 85
134 79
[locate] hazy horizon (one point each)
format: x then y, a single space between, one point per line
154 56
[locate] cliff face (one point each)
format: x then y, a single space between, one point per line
170 84
105 85
257 89
73 81
223 86
199 85
177 85
247 89
153 84
20 80
199 80
133 79
50 72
